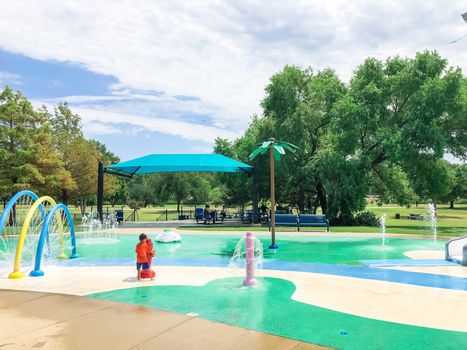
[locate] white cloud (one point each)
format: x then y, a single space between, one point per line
9 78
97 121
188 131
222 52
94 127
168 107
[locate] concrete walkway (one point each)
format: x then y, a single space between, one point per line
35 320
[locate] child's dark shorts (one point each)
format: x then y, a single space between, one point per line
144 265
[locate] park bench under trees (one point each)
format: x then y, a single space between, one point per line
212 217
415 216
312 220
302 220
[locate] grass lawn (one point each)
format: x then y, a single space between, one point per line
451 222
144 214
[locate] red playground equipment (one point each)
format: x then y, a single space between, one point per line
148 273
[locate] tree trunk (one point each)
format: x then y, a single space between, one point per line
273 198
451 204
309 204
323 201
315 205
12 215
83 206
64 197
301 201
178 206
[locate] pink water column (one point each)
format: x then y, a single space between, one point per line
250 279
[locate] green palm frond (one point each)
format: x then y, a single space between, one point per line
279 149
277 155
255 153
289 146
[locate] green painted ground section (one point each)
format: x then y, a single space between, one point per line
267 307
325 249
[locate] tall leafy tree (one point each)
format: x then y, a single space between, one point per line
459 186
183 186
405 112
27 156
160 188
378 134
298 107
235 188
77 155
114 187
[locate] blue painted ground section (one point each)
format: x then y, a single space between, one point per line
406 277
407 262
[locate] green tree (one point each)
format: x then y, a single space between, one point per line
375 135
401 112
115 188
27 157
459 184
77 154
235 187
182 187
160 188
298 107
142 189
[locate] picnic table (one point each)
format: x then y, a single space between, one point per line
415 217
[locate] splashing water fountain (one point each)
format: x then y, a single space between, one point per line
99 232
382 222
432 219
249 254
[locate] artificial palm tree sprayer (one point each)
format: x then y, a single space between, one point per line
276 149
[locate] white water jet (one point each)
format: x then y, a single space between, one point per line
238 261
432 219
382 223
104 232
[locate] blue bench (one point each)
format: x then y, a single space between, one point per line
246 218
285 220
199 214
312 220
210 218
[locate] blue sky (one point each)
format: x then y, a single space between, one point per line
167 77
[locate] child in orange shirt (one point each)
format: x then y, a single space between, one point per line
142 255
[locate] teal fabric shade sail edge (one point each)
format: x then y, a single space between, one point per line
164 163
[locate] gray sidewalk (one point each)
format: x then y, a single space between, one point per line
57 321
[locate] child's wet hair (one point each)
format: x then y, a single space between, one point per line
142 237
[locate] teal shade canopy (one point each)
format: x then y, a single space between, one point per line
167 163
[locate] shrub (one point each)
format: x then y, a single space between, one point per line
366 218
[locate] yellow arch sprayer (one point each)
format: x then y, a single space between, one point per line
19 247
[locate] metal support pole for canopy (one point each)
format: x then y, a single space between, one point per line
100 190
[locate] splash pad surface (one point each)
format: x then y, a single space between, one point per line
295 248
313 289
